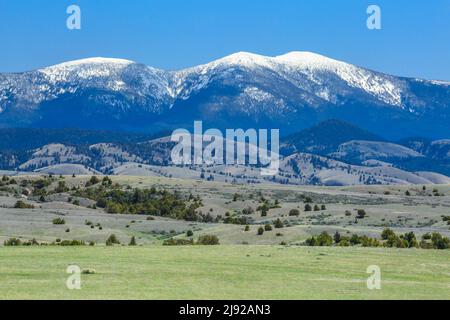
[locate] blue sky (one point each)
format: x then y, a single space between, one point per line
172 34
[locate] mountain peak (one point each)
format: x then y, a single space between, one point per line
295 59
96 60
306 58
90 63
299 55
244 59
85 69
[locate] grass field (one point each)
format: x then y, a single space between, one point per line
223 272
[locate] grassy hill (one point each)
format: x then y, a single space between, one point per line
325 137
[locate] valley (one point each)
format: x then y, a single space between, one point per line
55 227
225 210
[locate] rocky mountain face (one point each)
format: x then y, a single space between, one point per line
290 92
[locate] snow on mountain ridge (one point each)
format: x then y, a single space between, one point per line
297 67
305 64
381 86
307 58
116 75
285 82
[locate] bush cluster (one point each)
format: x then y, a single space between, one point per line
59 221
389 240
14 242
145 202
205 240
22 205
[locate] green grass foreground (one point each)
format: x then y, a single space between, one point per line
223 272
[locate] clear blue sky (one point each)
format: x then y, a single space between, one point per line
172 34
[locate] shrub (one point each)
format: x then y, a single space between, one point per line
208 240
308 200
106 181
101 203
61 187
59 221
248 211
68 243
316 208
425 245
308 207
264 210
260 231
324 240
133 241
247 228
426 236
93 181
395 242
267 227
112 240
323 207
12 242
355 240
312 242
189 233
294 213
369 242
411 240
32 242
440 242
22 205
387 233
337 237
361 214
41 184
278 224
178 242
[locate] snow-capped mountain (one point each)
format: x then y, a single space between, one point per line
291 92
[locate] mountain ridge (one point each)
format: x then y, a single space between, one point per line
331 153
291 91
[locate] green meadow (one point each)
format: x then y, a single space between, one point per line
223 272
